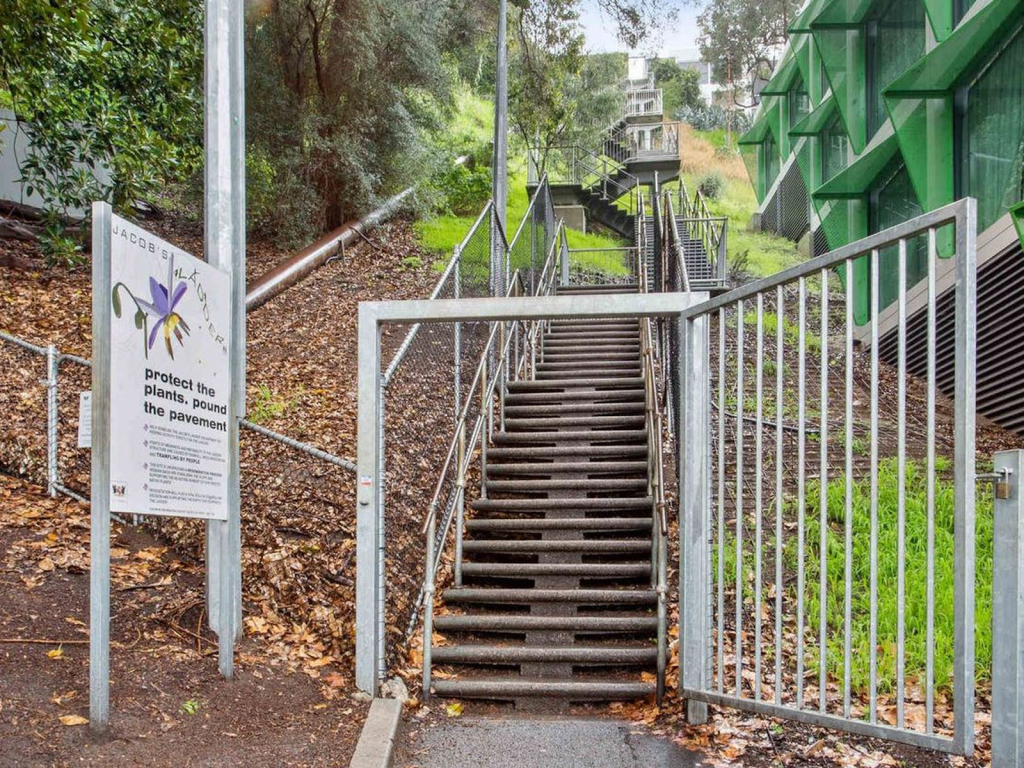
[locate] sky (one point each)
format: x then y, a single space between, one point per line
679 40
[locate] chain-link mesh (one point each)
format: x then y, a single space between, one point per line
23 404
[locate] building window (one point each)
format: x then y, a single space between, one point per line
893 201
834 148
895 40
799 102
771 161
991 127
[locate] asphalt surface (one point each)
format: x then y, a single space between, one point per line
536 743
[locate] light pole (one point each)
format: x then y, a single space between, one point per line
499 175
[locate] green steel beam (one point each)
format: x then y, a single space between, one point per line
1017 212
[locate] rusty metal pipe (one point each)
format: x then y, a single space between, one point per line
288 273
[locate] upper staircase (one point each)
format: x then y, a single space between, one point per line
555 596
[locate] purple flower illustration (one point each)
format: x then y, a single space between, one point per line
161 308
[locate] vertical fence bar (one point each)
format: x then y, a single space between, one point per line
901 483
739 499
930 498
823 505
52 417
800 490
848 511
780 310
963 462
873 621
1008 618
758 491
721 500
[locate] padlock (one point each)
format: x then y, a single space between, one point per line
1003 488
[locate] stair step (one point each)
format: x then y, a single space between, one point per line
597 288
575 467
592 373
609 435
574 366
583 484
538 451
619 383
585 345
545 505
522 622
565 545
576 421
594 324
589 358
597 333
582 570
513 411
617 395
579 596
560 524
577 690
551 654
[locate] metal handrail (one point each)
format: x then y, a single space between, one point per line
464 449
673 247
654 423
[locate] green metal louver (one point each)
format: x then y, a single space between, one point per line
921 101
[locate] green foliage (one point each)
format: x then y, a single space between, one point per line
711 185
710 118
268 405
345 100
916 568
742 37
680 87
106 84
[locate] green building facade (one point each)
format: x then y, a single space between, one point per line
883 109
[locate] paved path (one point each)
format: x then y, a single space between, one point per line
536 743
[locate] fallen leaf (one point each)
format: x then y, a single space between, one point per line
454 709
56 653
73 720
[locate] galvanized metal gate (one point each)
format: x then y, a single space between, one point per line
774 619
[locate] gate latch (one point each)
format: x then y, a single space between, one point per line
1000 480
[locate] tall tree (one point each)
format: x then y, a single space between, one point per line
742 40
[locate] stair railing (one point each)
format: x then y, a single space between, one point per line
655 424
493 373
679 279
710 230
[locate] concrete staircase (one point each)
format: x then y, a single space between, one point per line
556 603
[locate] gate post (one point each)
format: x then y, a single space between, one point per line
369 509
694 565
1008 616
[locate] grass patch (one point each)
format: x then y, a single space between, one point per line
759 253
915 570
268 405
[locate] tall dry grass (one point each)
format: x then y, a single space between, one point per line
698 156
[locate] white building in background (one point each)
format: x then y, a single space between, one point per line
14 148
689 58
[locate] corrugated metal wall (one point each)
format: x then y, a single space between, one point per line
1000 349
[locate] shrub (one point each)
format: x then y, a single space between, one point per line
711 118
711 185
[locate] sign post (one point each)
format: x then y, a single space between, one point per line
161 400
171 447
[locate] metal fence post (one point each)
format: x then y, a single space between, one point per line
368 503
693 510
1008 616
52 371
